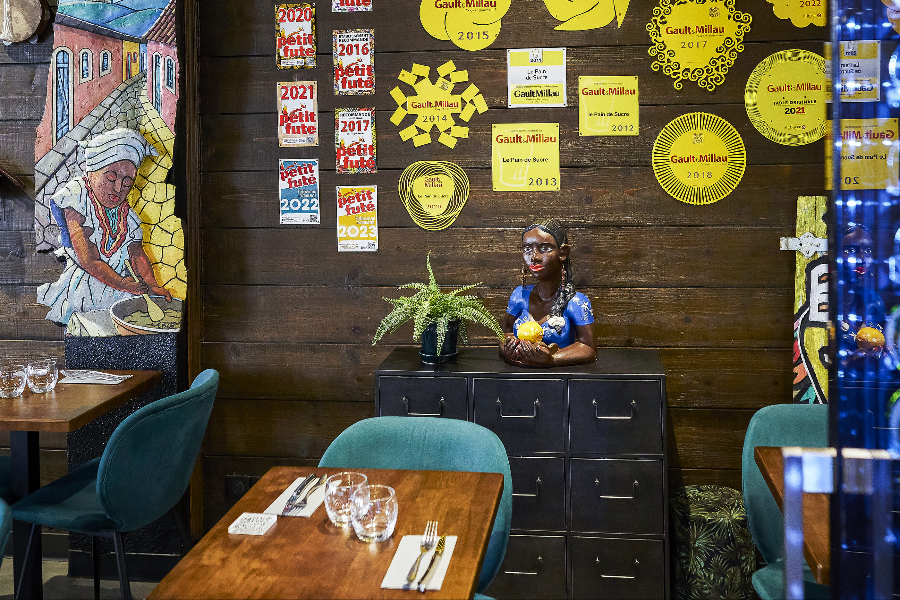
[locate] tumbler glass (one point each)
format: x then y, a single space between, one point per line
339 489
42 375
12 379
374 512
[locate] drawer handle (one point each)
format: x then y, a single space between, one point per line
636 565
633 495
502 416
631 416
412 414
540 560
537 491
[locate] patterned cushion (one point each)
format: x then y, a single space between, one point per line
712 554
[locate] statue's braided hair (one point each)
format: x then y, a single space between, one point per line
566 290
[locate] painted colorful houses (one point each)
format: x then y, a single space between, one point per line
97 46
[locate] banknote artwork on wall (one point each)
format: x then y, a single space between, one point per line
102 156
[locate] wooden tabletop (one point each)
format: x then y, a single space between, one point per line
69 406
311 558
816 515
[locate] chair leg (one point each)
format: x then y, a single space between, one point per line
120 559
95 559
186 540
29 557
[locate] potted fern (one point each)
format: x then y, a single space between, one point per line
438 318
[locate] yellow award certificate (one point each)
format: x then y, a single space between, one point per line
699 158
525 157
860 71
869 149
607 105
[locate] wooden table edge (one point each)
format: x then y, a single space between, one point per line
142 382
821 572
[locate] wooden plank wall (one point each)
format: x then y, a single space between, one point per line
24 333
288 321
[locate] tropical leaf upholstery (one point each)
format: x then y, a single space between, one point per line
712 553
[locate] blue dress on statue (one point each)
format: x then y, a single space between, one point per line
578 312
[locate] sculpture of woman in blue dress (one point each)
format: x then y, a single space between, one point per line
565 316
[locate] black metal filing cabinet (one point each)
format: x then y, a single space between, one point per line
587 450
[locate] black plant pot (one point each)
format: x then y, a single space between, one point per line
448 353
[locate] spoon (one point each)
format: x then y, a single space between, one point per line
156 313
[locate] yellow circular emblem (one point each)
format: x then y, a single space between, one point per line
699 158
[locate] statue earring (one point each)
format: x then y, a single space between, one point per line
523 276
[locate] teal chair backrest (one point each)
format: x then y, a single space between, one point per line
5 526
776 425
430 444
149 460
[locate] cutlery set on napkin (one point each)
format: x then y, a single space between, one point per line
84 376
431 571
301 499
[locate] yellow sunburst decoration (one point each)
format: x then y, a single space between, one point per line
470 24
579 15
435 106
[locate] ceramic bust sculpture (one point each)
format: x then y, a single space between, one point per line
547 323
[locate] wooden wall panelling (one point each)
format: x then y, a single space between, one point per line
248 142
596 196
245 28
602 256
24 333
288 321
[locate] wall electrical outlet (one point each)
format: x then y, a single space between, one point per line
236 486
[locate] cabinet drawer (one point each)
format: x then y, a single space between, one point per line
528 415
615 416
617 568
534 567
539 493
617 496
423 397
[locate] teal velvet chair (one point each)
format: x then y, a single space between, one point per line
426 443
143 472
778 425
5 527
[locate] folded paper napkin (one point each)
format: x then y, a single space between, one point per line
407 551
315 499
82 376
252 524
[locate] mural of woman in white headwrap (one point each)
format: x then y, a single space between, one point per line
100 232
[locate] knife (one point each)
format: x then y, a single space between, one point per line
438 552
299 505
299 491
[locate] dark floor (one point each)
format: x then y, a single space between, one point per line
58 586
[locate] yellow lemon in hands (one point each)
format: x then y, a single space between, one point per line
530 331
868 338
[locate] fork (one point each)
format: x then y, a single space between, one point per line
429 538
295 508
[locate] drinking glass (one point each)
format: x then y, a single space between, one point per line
12 380
374 512
339 489
42 375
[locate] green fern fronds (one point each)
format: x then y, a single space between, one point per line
431 306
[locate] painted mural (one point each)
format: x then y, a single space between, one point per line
103 153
